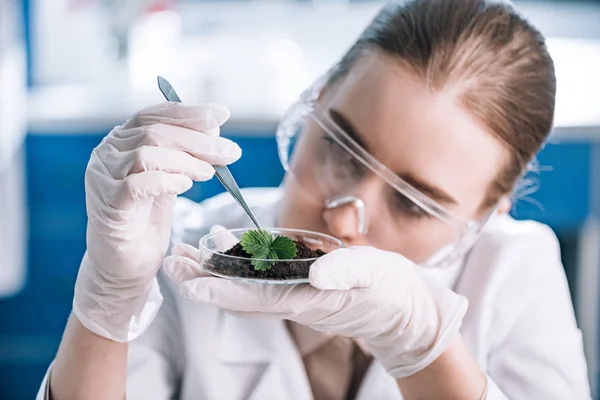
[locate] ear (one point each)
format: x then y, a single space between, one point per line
504 205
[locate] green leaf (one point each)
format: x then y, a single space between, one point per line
259 252
261 245
284 247
261 265
257 243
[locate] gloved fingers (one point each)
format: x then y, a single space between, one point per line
212 149
357 267
181 269
286 301
185 250
223 238
150 158
232 295
199 117
149 184
272 315
184 264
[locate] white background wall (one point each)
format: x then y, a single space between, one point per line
12 164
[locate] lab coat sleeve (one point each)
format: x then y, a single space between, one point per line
44 391
537 349
156 359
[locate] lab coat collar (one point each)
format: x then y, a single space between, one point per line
268 345
446 276
259 343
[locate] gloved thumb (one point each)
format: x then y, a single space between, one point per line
224 239
355 267
184 264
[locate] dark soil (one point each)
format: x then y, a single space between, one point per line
279 270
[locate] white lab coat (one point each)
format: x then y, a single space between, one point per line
520 325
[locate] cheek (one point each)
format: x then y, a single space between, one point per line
299 210
416 248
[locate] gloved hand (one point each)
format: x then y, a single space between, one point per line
131 182
405 319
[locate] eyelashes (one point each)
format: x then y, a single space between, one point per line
343 166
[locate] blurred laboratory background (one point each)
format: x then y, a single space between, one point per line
70 70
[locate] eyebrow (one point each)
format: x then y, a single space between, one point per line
431 191
347 127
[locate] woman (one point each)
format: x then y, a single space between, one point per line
408 150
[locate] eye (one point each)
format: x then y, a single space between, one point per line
342 157
408 207
331 141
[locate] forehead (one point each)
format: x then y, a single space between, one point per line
415 130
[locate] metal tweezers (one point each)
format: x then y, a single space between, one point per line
221 171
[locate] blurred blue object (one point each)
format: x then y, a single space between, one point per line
562 198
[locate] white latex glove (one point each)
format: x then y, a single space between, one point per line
406 320
131 182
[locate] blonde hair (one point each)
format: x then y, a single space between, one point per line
494 61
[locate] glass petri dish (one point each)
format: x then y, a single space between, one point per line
293 271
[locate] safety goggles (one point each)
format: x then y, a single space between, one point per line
329 167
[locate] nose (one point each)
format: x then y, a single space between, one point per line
345 217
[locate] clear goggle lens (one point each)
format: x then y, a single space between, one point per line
326 165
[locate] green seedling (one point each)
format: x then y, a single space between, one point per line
261 246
